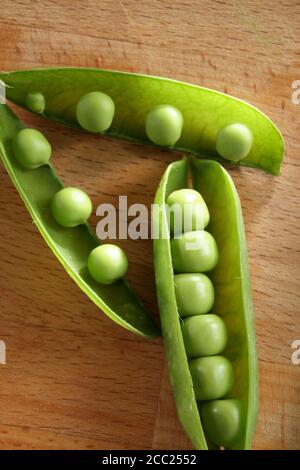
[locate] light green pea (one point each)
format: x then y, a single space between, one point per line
194 252
71 207
164 125
95 111
222 421
194 294
35 102
212 377
204 335
234 142
107 263
190 208
31 149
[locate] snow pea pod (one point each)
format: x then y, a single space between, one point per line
205 112
71 246
233 303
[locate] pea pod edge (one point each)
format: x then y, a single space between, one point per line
219 193
204 111
70 246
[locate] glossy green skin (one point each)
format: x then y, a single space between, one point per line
71 246
164 125
233 297
204 335
222 421
204 111
71 207
194 293
31 149
212 377
35 102
191 208
194 252
107 263
95 112
234 142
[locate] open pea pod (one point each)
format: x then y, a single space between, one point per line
70 245
233 302
204 111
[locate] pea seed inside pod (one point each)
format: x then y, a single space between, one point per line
234 142
31 148
194 252
204 335
194 293
188 211
107 263
71 207
212 377
164 125
222 421
95 111
35 102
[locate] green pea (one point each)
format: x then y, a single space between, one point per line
95 111
164 125
36 102
194 294
192 211
194 252
204 335
71 207
107 263
212 377
234 142
31 149
222 421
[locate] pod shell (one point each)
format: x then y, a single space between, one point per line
205 112
70 245
233 295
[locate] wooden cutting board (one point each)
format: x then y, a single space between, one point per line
73 379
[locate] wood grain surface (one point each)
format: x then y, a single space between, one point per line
73 379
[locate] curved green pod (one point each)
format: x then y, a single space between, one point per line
232 295
205 112
70 245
